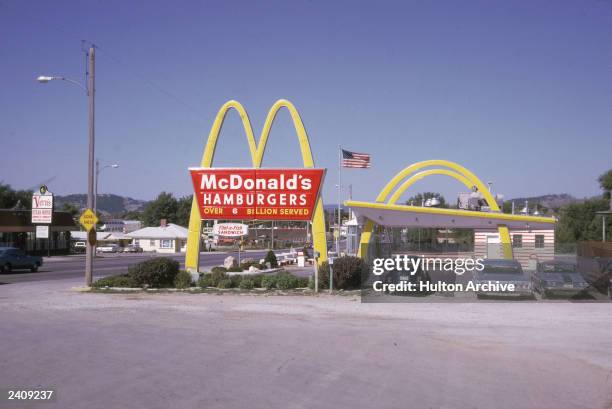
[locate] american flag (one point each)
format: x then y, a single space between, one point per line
355 160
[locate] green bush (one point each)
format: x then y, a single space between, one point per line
235 279
256 280
216 276
205 280
246 264
246 284
303 282
121 280
268 281
286 280
182 280
347 272
157 272
235 269
271 258
225 283
323 273
218 269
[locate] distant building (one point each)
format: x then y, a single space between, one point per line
166 238
528 246
16 230
121 226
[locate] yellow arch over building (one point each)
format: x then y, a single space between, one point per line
257 152
453 170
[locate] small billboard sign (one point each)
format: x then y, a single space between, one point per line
42 232
230 229
42 206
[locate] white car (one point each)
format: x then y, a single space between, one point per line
108 248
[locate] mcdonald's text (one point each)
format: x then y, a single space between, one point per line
281 194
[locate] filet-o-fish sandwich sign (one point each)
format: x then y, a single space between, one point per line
250 194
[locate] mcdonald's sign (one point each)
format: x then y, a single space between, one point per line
257 194
314 203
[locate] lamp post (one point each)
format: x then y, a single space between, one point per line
90 91
98 171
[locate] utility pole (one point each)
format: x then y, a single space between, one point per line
95 205
339 199
91 91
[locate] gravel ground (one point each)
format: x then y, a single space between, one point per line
244 351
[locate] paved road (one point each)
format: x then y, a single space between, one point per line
57 268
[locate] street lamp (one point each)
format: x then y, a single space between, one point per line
90 91
98 171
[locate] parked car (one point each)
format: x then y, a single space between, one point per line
79 247
420 275
12 258
598 272
506 272
108 248
558 278
132 248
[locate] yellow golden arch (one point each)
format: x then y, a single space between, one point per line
448 168
257 151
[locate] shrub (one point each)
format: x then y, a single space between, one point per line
256 280
218 269
182 280
271 258
225 283
235 269
347 272
216 276
246 284
323 273
248 263
286 280
303 282
235 280
157 272
121 280
268 281
205 280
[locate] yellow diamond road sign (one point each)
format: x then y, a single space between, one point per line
88 219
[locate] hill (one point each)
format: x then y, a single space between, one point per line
107 202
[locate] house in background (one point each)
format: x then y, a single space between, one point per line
121 226
166 238
528 246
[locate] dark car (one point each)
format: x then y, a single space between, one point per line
131 248
558 278
414 277
505 272
12 258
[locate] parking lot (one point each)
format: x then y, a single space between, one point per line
237 351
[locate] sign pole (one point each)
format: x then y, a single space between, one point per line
91 90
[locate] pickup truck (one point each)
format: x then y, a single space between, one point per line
12 258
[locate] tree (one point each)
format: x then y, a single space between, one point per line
605 181
183 211
419 198
72 209
9 197
579 221
164 206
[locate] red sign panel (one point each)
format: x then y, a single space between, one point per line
250 194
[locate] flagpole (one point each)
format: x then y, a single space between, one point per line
339 198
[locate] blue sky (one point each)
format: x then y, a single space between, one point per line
519 92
